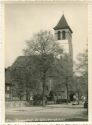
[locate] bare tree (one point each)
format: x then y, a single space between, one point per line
43 44
82 69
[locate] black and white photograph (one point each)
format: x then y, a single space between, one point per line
46 62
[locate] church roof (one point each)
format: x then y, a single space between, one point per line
34 61
8 76
20 62
62 24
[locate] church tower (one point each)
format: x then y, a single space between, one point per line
63 36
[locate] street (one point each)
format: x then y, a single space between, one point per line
59 113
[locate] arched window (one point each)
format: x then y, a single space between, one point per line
63 35
59 36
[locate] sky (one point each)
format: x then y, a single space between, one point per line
22 20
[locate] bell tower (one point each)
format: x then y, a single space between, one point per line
63 36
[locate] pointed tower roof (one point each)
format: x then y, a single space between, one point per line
62 24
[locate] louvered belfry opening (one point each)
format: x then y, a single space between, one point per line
59 35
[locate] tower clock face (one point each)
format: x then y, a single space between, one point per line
64 45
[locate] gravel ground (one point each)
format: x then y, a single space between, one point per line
58 113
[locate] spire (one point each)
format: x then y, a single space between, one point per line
62 24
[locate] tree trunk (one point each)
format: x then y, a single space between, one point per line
11 93
67 88
87 99
78 97
43 93
67 91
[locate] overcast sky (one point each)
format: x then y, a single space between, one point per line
23 20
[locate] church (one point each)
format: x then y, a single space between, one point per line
63 36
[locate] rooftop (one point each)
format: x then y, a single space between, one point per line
62 24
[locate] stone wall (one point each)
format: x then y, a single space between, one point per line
16 104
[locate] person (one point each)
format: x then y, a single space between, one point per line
83 98
77 99
45 98
74 99
31 99
55 99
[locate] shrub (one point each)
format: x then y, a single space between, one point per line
37 99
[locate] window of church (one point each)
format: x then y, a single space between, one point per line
59 35
63 35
